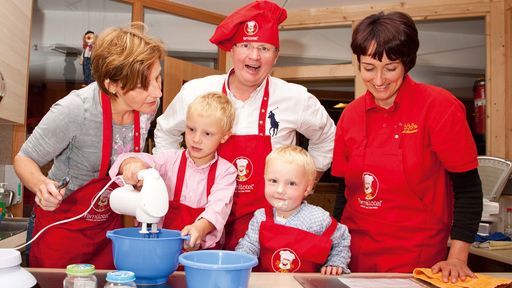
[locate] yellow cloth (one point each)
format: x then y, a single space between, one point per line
480 282
495 245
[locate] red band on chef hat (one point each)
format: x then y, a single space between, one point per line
256 22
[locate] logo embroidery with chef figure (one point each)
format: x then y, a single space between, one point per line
251 27
371 189
244 170
285 260
101 208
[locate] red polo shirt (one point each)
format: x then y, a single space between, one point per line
429 125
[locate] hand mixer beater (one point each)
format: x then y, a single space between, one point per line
148 206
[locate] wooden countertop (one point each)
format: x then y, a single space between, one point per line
51 278
504 256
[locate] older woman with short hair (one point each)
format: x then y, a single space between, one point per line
83 133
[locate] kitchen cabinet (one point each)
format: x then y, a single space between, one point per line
15 24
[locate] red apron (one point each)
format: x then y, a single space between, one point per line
249 195
179 214
392 229
82 240
289 249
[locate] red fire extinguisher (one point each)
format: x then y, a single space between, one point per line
479 98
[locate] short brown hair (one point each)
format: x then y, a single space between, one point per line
393 33
125 55
217 105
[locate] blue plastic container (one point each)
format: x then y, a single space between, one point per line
151 259
217 268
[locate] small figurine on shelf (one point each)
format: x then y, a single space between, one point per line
85 59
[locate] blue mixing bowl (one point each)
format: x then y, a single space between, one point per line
217 268
151 259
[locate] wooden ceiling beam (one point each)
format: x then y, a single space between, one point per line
179 10
346 15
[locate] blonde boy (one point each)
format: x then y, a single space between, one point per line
200 183
295 236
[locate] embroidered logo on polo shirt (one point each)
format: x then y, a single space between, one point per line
285 260
251 27
274 124
410 128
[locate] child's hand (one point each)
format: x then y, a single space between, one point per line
129 169
197 232
331 270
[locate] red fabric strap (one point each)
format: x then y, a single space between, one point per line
106 145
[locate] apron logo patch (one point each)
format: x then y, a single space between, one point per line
244 168
274 124
285 260
371 188
101 208
410 128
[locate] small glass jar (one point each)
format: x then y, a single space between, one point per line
120 279
80 276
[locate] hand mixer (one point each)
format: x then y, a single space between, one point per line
148 206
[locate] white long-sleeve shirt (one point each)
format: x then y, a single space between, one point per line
294 107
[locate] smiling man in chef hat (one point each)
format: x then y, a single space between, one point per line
251 35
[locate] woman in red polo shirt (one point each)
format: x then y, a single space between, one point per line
407 161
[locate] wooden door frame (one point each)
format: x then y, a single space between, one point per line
177 72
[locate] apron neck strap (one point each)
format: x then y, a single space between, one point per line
106 145
107 134
180 178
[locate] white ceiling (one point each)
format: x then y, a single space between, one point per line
452 53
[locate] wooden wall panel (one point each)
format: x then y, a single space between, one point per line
15 23
508 75
345 15
499 119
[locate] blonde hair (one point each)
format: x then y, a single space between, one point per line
125 55
293 154
217 105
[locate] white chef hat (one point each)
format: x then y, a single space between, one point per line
285 254
368 178
241 162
